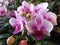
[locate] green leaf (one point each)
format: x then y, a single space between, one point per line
17 2
3 41
4 36
38 42
38 0
48 43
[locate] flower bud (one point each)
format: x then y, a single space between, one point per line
23 42
10 40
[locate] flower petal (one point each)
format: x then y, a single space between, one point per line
12 21
52 17
38 34
46 33
39 20
17 29
19 19
31 26
47 26
16 24
18 16
24 3
42 5
20 8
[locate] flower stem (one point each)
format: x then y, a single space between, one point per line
42 41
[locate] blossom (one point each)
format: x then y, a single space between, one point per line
39 27
11 13
3 10
30 11
42 23
38 20
26 10
4 2
17 24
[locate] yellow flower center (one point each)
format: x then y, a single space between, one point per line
28 16
24 14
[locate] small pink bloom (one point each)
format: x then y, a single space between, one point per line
5 2
17 23
11 14
26 8
3 10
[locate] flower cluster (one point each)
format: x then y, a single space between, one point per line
3 7
37 19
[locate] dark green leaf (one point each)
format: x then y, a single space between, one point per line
4 36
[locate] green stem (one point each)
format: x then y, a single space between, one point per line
42 41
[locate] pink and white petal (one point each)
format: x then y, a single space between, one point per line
18 16
25 4
31 25
32 7
17 29
28 29
52 17
42 6
46 33
5 8
47 26
19 19
20 8
39 20
42 11
12 21
18 25
21 24
6 3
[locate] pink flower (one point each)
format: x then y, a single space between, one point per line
42 22
31 10
26 9
37 19
3 10
11 13
5 2
17 24
39 27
